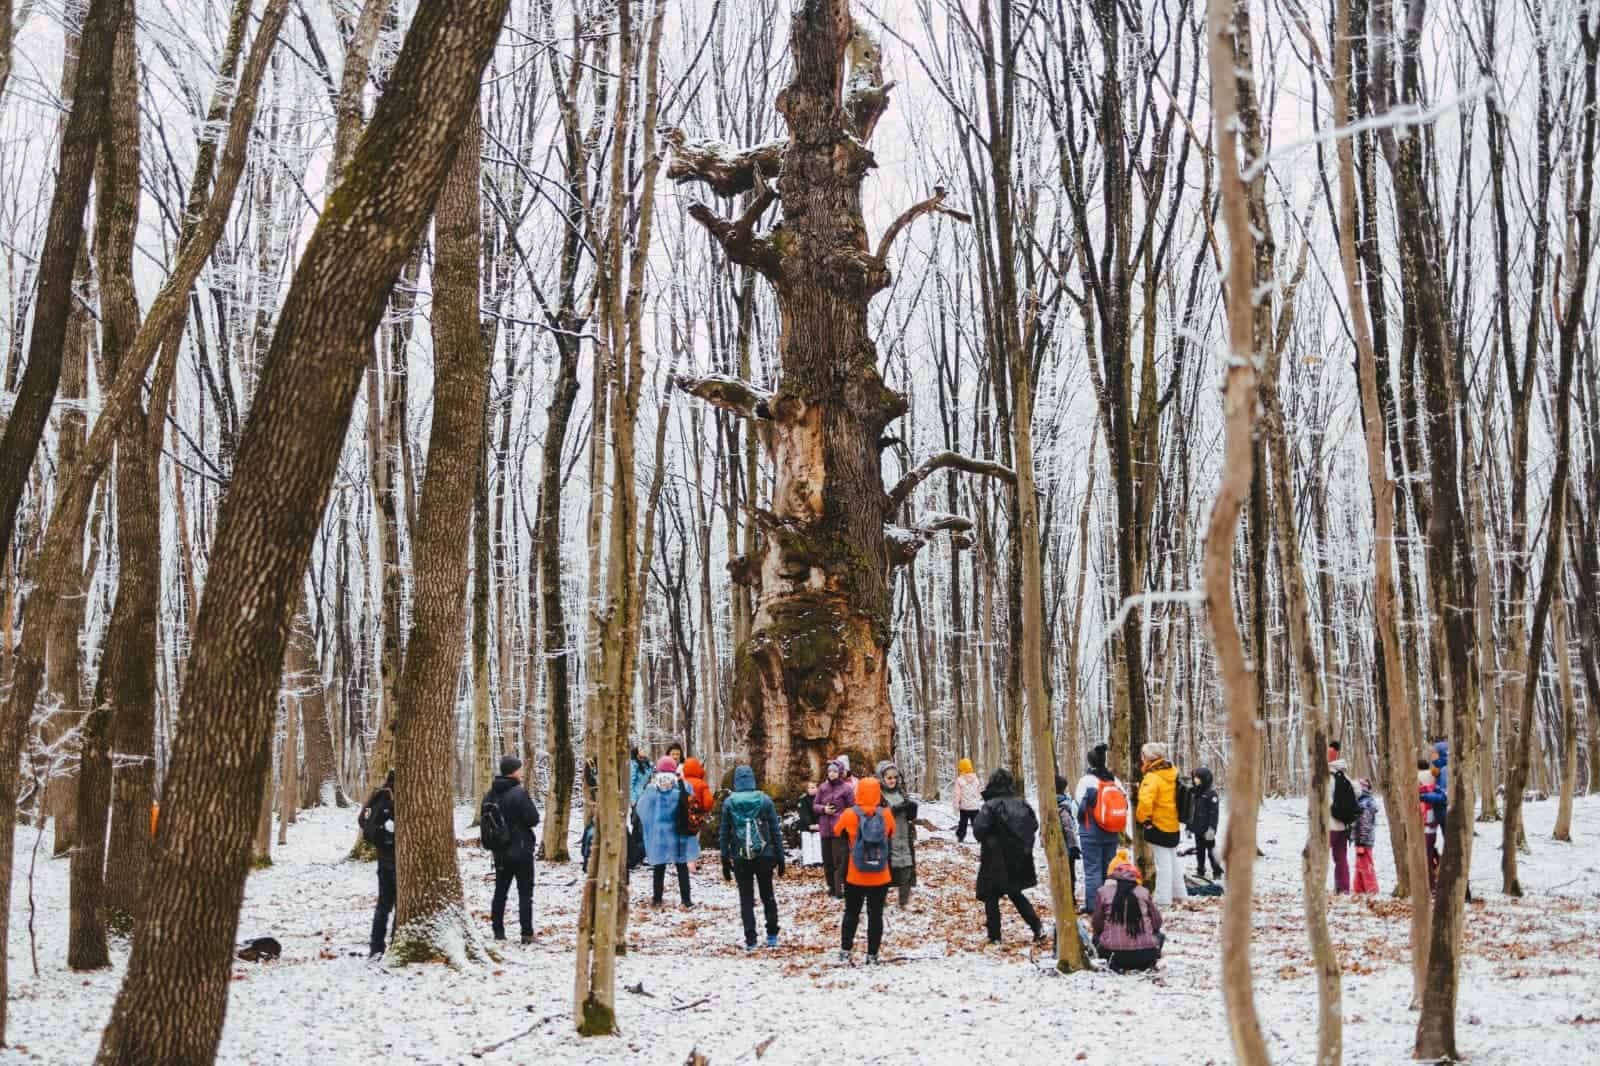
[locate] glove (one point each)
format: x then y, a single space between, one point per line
388 827
727 870
1147 826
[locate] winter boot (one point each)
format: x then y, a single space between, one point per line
772 940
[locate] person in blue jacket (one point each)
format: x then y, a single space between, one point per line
751 843
1441 763
663 845
1099 843
639 775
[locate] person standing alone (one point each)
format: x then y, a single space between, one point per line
1005 829
751 840
377 828
506 821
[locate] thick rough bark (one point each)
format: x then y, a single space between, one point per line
812 678
171 1005
483 748
432 911
57 259
1239 399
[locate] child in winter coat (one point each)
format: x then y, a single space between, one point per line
1127 922
1203 822
903 848
1366 839
751 842
870 887
1431 803
834 797
967 797
1069 829
663 844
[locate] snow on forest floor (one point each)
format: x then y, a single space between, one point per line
1530 981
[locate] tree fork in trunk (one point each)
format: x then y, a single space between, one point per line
287 457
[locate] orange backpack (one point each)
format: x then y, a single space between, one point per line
1111 807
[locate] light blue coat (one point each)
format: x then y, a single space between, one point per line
658 814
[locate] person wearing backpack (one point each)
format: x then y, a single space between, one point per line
377 828
1203 822
834 797
966 797
1069 829
1005 829
1344 811
867 829
1431 804
1158 815
752 848
506 821
1366 880
665 810
1103 815
903 849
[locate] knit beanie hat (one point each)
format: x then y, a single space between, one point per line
964 766
509 765
666 765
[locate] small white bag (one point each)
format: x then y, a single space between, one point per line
811 849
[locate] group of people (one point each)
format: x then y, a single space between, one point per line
868 836
1353 818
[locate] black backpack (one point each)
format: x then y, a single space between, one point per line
372 830
493 829
1185 803
1345 807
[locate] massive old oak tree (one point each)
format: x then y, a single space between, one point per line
812 679
173 999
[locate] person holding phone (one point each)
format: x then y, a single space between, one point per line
834 797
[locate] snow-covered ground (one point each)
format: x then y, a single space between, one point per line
1530 983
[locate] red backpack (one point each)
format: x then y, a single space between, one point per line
1111 807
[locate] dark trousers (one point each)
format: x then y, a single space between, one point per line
835 862
750 874
873 897
1202 849
1123 961
659 883
504 874
965 820
991 914
385 908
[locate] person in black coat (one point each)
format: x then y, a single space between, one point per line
1005 829
377 828
514 862
1203 822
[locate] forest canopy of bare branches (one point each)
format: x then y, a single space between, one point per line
914 380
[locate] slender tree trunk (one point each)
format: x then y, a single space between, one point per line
36 392
431 908
1569 719
287 457
1239 400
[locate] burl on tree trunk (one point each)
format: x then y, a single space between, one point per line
812 679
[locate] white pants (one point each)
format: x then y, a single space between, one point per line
1169 876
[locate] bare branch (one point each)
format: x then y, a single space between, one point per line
726 171
933 204
945 461
729 394
738 239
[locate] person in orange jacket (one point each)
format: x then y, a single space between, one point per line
868 826
694 777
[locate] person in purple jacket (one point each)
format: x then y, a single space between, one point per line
834 797
1127 923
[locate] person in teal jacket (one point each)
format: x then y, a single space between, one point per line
751 840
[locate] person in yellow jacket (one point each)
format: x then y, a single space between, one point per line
1157 812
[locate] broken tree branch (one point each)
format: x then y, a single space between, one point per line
945 461
933 204
727 393
738 240
726 171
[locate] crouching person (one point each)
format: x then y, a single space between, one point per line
752 849
1126 922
